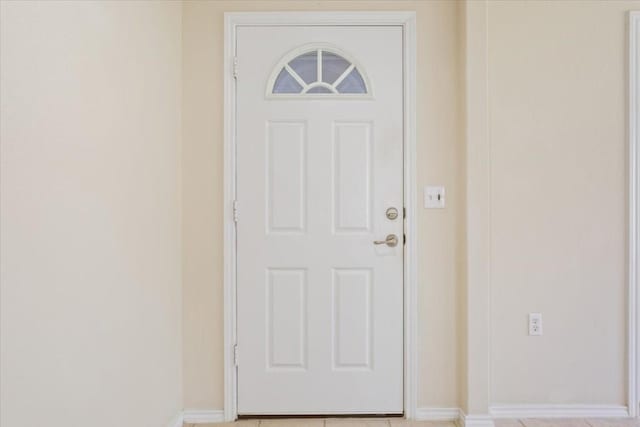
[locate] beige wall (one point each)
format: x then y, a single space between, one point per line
439 161
92 190
557 138
557 105
90 214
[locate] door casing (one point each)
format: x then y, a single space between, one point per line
633 292
404 19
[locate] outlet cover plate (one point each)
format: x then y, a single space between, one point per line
535 324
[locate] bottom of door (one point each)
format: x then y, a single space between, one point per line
332 415
322 415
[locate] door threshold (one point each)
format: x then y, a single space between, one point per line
321 416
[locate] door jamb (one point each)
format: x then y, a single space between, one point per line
633 293
404 19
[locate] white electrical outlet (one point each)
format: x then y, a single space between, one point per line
535 323
434 197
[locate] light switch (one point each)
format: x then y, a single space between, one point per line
434 197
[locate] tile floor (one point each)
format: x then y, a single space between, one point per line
399 422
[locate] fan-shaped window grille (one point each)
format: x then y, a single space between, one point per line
318 71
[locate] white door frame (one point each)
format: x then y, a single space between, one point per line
404 19
633 294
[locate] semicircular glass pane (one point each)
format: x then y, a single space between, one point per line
306 66
353 83
333 66
285 83
319 89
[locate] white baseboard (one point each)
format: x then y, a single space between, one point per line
475 420
437 414
176 421
196 416
559 411
453 414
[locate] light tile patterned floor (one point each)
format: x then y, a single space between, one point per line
570 422
399 422
330 422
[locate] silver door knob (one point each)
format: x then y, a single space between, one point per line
391 241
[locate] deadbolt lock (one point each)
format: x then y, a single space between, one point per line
392 213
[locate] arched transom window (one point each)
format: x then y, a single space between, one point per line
318 71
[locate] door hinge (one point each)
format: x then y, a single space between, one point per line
404 239
404 212
235 67
235 355
235 211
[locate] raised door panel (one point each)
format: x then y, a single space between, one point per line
352 177
286 325
352 319
286 177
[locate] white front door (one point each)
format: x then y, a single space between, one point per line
319 177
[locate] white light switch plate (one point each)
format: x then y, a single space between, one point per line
434 197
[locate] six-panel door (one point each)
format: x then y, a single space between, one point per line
319 161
